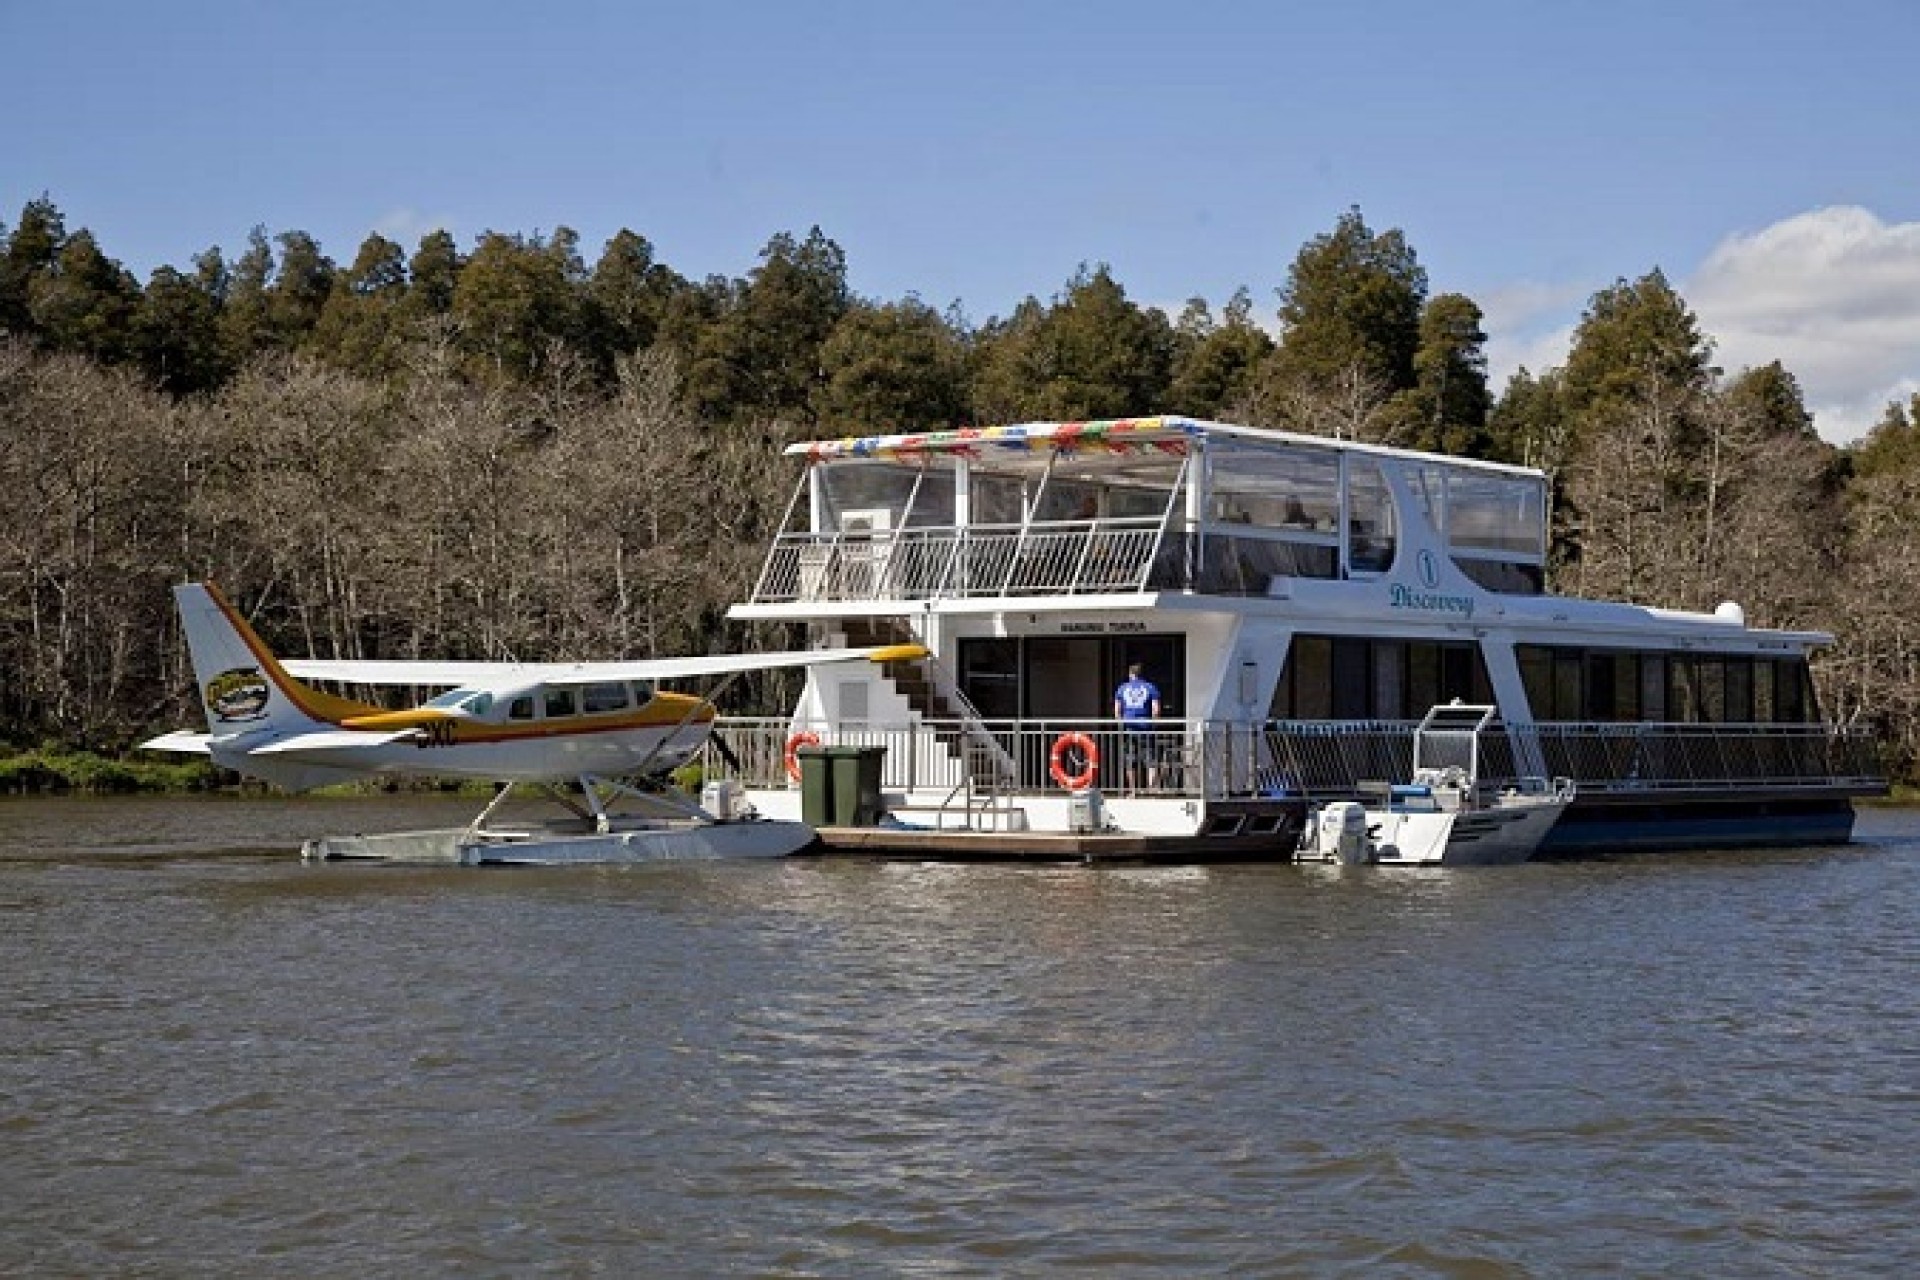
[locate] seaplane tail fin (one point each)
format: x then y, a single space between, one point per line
243 686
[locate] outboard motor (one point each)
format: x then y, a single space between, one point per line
1343 834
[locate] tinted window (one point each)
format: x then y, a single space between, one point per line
599 698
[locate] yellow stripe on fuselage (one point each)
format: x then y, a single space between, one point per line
663 711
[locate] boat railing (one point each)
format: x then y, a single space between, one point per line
1320 759
1062 557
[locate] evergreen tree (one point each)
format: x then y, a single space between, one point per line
176 334
362 325
299 291
1894 443
86 303
1637 339
627 298
1350 327
32 250
899 367
762 357
1769 398
245 327
1215 366
1092 354
1445 411
517 299
434 273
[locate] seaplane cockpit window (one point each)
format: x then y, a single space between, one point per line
598 699
559 703
521 708
642 693
473 702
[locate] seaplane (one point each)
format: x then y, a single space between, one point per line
603 726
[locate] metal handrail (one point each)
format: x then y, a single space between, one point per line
1061 557
1325 759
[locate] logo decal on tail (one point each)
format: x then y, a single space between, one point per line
239 694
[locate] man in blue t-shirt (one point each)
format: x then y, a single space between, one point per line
1136 705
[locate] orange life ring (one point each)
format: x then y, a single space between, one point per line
791 756
1057 762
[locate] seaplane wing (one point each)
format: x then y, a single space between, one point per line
426 674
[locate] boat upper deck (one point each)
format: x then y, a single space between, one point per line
1137 505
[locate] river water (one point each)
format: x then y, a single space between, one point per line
215 1060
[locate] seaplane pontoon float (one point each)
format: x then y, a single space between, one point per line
1300 604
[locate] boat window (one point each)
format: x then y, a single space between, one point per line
559 702
1624 686
997 499
1069 500
1793 692
1739 703
1536 677
990 676
1350 687
1370 523
1389 679
521 708
1275 488
1429 485
596 699
1683 693
1354 678
1137 503
1653 687
1506 577
873 497
1247 565
1569 701
642 693
1496 513
1305 688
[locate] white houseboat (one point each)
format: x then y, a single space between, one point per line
1299 603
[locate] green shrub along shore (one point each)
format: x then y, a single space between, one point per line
53 770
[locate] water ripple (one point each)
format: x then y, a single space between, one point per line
1643 1067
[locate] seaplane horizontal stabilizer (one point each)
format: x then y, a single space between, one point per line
331 740
183 740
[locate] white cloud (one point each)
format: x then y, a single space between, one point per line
1528 324
405 227
1834 295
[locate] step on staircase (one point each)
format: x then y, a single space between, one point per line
987 774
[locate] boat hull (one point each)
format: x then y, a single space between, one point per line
1600 825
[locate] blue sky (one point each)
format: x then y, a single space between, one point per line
1763 154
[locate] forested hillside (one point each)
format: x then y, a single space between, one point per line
510 450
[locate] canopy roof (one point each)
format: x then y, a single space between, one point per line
1165 435
1169 436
